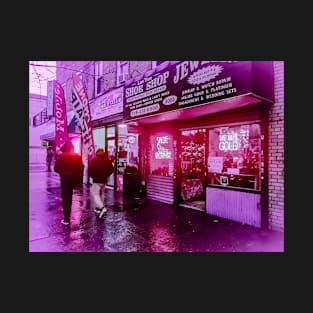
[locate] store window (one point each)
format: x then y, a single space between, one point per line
161 155
235 156
99 138
122 72
111 131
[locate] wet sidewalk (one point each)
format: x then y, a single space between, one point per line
129 226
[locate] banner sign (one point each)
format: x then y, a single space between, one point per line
182 84
61 133
50 93
82 112
108 104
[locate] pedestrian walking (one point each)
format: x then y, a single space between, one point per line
49 158
70 167
99 169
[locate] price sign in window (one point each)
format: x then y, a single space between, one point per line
235 153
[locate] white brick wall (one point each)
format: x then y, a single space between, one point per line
276 152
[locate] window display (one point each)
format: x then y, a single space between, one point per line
234 156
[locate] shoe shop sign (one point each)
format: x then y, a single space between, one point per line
180 84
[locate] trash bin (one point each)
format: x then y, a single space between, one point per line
131 183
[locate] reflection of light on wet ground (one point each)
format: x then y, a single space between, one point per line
76 214
153 227
117 229
162 239
120 234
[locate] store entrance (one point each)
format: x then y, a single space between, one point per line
193 169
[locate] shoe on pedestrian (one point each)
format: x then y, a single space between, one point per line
65 222
97 210
103 210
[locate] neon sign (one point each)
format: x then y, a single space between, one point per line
229 141
162 152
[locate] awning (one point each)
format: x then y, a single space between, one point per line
188 89
202 109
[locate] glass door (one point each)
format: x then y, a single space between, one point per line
127 153
111 149
193 169
111 154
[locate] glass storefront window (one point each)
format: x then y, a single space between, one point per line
161 155
111 131
235 156
127 149
99 138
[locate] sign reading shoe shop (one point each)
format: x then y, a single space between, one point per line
175 85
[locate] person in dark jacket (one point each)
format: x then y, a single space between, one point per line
70 167
99 169
49 158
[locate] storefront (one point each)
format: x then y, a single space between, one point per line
112 135
203 126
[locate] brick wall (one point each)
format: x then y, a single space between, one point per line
276 152
139 67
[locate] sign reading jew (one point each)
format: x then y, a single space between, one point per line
181 84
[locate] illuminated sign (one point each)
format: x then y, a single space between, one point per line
180 84
229 141
162 152
76 144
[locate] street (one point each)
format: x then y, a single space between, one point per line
133 226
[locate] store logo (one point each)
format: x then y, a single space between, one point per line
205 74
169 100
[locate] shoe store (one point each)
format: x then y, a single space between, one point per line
203 126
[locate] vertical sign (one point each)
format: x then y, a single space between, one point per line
61 134
82 111
50 93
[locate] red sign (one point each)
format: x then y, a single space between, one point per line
133 129
61 134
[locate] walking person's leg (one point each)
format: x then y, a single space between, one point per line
95 195
102 192
104 209
67 196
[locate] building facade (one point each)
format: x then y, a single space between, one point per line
205 135
104 83
37 120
